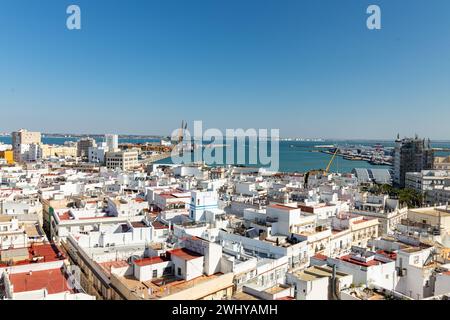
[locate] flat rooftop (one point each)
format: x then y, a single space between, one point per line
107 266
138 224
282 207
53 280
316 272
184 254
162 287
276 289
5 218
39 253
33 231
365 294
370 263
67 216
150 261
244 296
434 212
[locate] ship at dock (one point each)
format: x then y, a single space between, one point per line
376 155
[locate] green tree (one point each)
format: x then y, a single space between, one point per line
410 197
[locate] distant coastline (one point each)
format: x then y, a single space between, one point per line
95 136
152 137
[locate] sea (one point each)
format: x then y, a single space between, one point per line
294 156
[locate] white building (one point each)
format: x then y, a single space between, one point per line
11 234
442 284
414 272
386 210
367 268
190 171
427 180
112 142
296 253
317 283
26 145
97 154
123 160
202 201
126 206
48 277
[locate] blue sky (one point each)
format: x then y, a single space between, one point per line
308 67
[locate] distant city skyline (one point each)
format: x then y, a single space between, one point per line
64 135
310 69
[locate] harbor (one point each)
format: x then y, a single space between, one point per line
376 155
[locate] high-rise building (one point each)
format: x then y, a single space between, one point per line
25 142
124 160
411 155
83 146
112 142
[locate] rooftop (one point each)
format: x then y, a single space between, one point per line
320 256
138 224
152 260
282 207
66 216
316 272
244 296
159 225
162 287
40 253
432 211
107 266
365 294
184 254
369 263
53 280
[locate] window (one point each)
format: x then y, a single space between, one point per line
167 270
179 271
155 274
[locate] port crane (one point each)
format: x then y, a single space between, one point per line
181 131
331 161
178 146
324 172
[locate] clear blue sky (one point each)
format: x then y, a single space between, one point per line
308 67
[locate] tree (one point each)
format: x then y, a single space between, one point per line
410 197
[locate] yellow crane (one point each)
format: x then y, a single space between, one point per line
325 172
331 161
